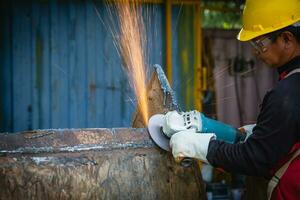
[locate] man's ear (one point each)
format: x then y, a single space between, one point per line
287 37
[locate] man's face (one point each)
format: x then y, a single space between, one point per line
268 49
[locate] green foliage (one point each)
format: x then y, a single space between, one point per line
222 15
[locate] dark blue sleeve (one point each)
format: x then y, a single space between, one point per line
277 130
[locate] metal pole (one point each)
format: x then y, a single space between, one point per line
198 57
169 40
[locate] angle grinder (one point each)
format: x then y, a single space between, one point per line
196 120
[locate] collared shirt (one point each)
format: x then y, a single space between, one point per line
277 130
288 67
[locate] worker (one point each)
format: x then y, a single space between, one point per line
272 147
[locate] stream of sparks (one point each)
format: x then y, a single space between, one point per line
132 44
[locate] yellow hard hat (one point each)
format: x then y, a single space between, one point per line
265 16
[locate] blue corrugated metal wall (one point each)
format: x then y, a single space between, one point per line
59 67
183 55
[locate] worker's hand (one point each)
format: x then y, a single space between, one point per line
175 122
190 144
248 129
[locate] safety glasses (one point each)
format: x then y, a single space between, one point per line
260 45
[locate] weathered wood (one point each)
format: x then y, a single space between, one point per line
155 102
158 100
91 164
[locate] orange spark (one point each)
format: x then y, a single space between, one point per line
132 44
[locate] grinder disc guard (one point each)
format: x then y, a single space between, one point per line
155 131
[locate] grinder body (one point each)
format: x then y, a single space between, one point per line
202 124
223 131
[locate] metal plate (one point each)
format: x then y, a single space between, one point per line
155 130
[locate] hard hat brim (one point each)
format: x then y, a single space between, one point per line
246 35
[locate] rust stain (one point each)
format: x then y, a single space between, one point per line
93 87
72 140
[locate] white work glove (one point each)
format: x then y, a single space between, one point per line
190 144
175 122
248 129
